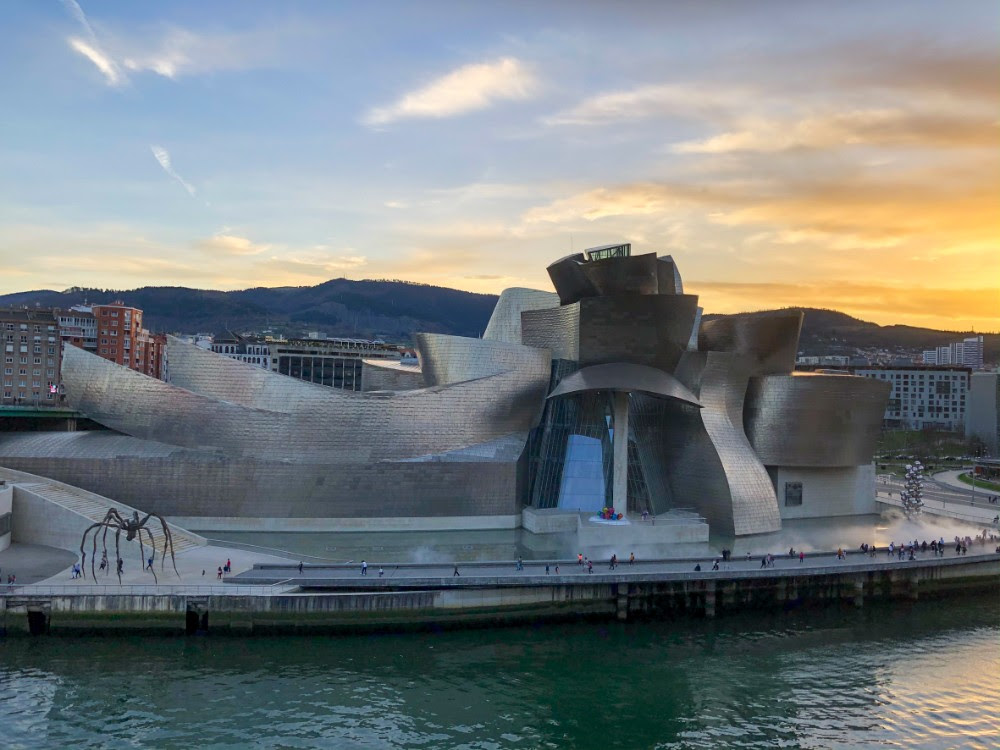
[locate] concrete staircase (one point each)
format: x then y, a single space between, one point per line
93 508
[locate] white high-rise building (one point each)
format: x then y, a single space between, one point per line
967 353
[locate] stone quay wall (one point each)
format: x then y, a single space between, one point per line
470 602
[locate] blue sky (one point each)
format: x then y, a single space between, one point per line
786 153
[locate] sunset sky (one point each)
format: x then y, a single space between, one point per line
825 154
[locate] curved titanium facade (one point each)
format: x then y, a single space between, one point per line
386 375
768 341
505 322
627 378
369 426
445 359
556 329
711 460
651 330
815 420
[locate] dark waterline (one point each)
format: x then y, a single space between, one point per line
922 675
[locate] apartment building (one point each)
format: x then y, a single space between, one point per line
31 357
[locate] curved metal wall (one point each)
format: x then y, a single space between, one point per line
768 341
556 329
569 280
387 375
709 461
635 274
448 359
339 427
815 420
505 322
645 329
668 277
175 481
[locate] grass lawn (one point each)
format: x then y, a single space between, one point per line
980 483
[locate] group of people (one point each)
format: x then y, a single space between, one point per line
222 570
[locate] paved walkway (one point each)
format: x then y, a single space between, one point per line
32 563
197 566
350 576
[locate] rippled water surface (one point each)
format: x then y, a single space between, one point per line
924 675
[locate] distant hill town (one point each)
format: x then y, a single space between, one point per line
393 310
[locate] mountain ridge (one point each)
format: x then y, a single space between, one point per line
394 310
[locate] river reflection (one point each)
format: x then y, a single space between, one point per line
915 675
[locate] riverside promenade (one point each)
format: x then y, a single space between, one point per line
277 598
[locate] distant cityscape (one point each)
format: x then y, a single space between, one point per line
948 388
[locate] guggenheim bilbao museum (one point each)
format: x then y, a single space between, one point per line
610 392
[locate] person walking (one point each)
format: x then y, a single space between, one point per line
590 566
579 558
456 572
715 565
631 558
300 567
802 556
380 571
364 568
219 575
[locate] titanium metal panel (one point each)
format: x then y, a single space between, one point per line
668 277
388 375
710 462
446 359
636 274
556 329
644 329
624 377
768 341
505 323
188 482
338 427
815 420
569 280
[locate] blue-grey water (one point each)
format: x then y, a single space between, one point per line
915 675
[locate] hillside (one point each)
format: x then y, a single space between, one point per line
832 332
366 309
393 310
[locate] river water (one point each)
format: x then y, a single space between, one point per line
914 675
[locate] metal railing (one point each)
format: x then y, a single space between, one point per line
142 589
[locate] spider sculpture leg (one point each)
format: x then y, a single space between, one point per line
104 542
168 541
118 555
142 552
83 553
152 546
93 556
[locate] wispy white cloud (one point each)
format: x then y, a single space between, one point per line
104 63
91 48
231 244
469 88
878 126
172 52
163 157
650 101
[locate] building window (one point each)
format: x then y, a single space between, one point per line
793 494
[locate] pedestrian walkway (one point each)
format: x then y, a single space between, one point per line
534 571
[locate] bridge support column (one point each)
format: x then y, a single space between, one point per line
859 592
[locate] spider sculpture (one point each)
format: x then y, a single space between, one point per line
133 528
